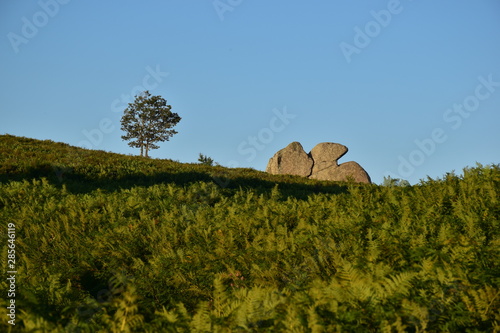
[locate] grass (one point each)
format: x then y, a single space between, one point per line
114 243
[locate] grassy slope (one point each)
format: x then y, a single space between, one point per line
83 170
113 242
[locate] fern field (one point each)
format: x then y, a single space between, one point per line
113 243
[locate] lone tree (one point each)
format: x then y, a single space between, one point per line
148 120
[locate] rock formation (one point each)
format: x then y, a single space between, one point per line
291 160
320 163
325 156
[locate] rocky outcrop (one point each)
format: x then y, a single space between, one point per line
291 160
325 156
321 163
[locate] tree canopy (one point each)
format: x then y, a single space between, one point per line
148 120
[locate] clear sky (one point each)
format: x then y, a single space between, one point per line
412 88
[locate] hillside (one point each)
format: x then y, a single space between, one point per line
82 170
114 243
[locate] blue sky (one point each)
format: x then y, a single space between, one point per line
412 88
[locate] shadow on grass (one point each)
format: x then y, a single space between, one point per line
229 179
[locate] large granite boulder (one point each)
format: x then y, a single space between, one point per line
291 160
321 163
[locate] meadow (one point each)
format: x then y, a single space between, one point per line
114 243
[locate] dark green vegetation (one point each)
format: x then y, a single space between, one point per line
113 243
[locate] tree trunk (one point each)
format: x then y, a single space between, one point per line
147 148
142 150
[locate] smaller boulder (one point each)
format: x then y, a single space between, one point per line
343 172
325 156
353 170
